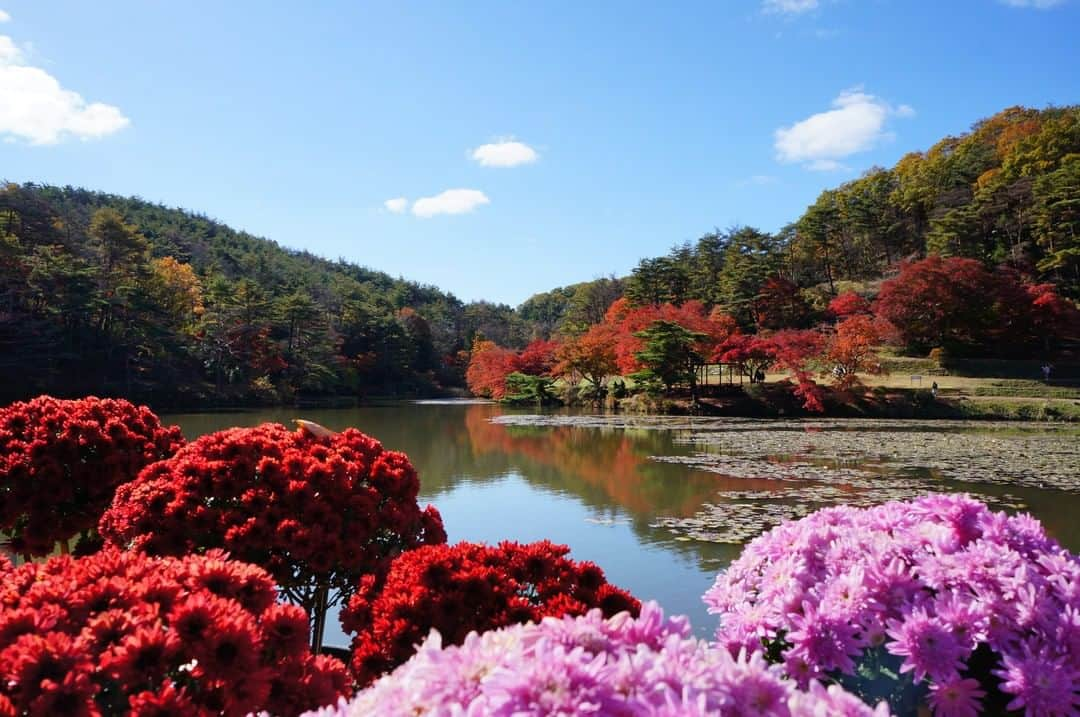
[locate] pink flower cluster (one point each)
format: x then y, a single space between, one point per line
976 610
591 665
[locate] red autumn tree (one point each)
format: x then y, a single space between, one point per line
489 365
851 349
316 509
617 311
120 633
848 304
749 353
538 358
951 303
961 305
794 350
721 325
457 589
61 461
780 305
628 322
1052 317
790 350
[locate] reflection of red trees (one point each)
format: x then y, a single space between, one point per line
614 465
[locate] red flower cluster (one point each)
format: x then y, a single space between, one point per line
61 461
460 588
312 510
121 633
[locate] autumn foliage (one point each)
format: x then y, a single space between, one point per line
62 460
627 321
457 589
780 305
852 348
848 304
313 510
751 354
490 364
123 634
961 305
538 358
590 356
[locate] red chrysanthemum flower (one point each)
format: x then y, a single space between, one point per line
124 633
316 509
460 588
169 701
61 462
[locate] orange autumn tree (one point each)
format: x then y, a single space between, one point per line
851 349
489 365
590 356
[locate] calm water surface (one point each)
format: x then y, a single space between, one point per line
594 489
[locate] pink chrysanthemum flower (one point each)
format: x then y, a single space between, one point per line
1043 686
956 698
941 582
927 645
643 667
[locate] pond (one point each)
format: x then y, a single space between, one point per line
663 503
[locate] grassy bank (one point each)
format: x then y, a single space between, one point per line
774 399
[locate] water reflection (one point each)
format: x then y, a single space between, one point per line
597 488
606 469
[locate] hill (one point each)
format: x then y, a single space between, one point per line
115 295
118 296
1006 194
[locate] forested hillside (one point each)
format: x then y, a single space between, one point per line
1006 194
113 295
970 249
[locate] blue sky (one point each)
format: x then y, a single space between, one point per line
631 127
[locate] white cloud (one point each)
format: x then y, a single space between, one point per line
9 51
37 109
1037 4
397 205
4 17
789 7
855 124
504 153
452 201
